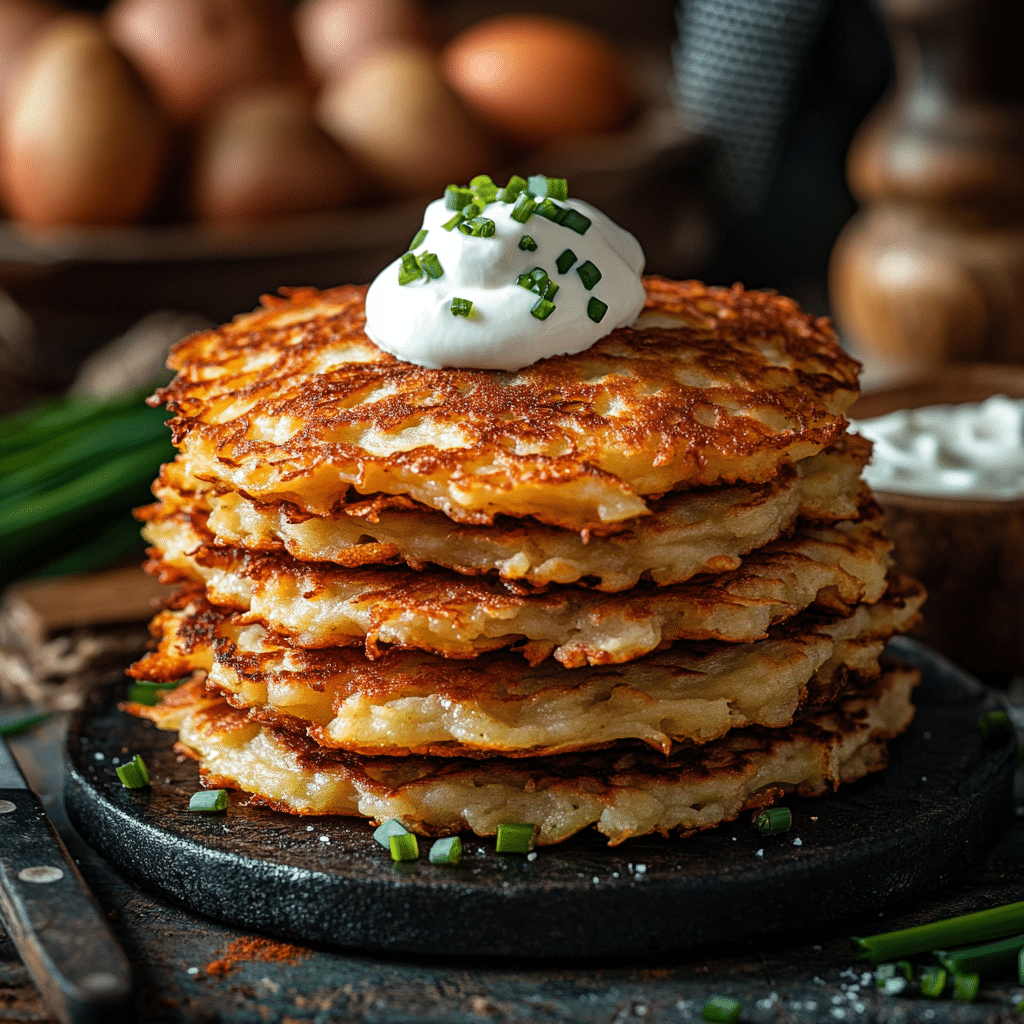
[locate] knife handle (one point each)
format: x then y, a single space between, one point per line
51 917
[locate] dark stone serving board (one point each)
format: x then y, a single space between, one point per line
892 835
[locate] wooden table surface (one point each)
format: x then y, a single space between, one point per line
191 969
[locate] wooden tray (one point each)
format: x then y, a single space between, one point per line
900 833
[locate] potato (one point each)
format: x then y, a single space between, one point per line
193 53
334 35
20 22
535 78
395 114
263 155
82 142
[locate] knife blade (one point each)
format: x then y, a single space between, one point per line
51 917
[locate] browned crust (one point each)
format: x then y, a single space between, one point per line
549 423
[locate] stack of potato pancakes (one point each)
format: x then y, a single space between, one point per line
642 587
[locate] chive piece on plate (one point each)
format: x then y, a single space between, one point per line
883 972
721 1008
527 244
906 968
566 258
576 221
23 723
391 827
515 187
995 723
524 209
589 274
431 264
516 838
418 239
774 821
965 987
410 269
933 981
149 693
207 801
542 309
134 774
461 307
404 847
446 851
596 309
983 960
994 923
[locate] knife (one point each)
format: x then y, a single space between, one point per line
51 917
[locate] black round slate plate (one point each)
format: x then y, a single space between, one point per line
895 834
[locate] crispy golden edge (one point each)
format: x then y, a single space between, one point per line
568 419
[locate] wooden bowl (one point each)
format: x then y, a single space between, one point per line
968 552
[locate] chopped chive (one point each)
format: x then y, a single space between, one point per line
391 827
721 1008
150 693
558 188
134 774
454 222
589 274
431 264
446 851
1020 967
965 987
543 308
524 208
544 187
478 227
527 244
471 210
537 280
404 847
455 198
516 838
550 290
461 307
906 968
548 209
933 981
484 189
596 309
994 923
539 276
566 258
525 281
883 973
576 221
207 801
23 723
775 820
418 239
512 190
995 723
983 960
410 270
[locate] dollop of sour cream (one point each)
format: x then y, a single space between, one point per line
971 450
415 321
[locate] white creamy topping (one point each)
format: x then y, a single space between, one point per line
972 450
414 321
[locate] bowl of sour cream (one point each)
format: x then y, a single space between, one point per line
948 468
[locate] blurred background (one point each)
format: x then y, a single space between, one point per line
164 162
